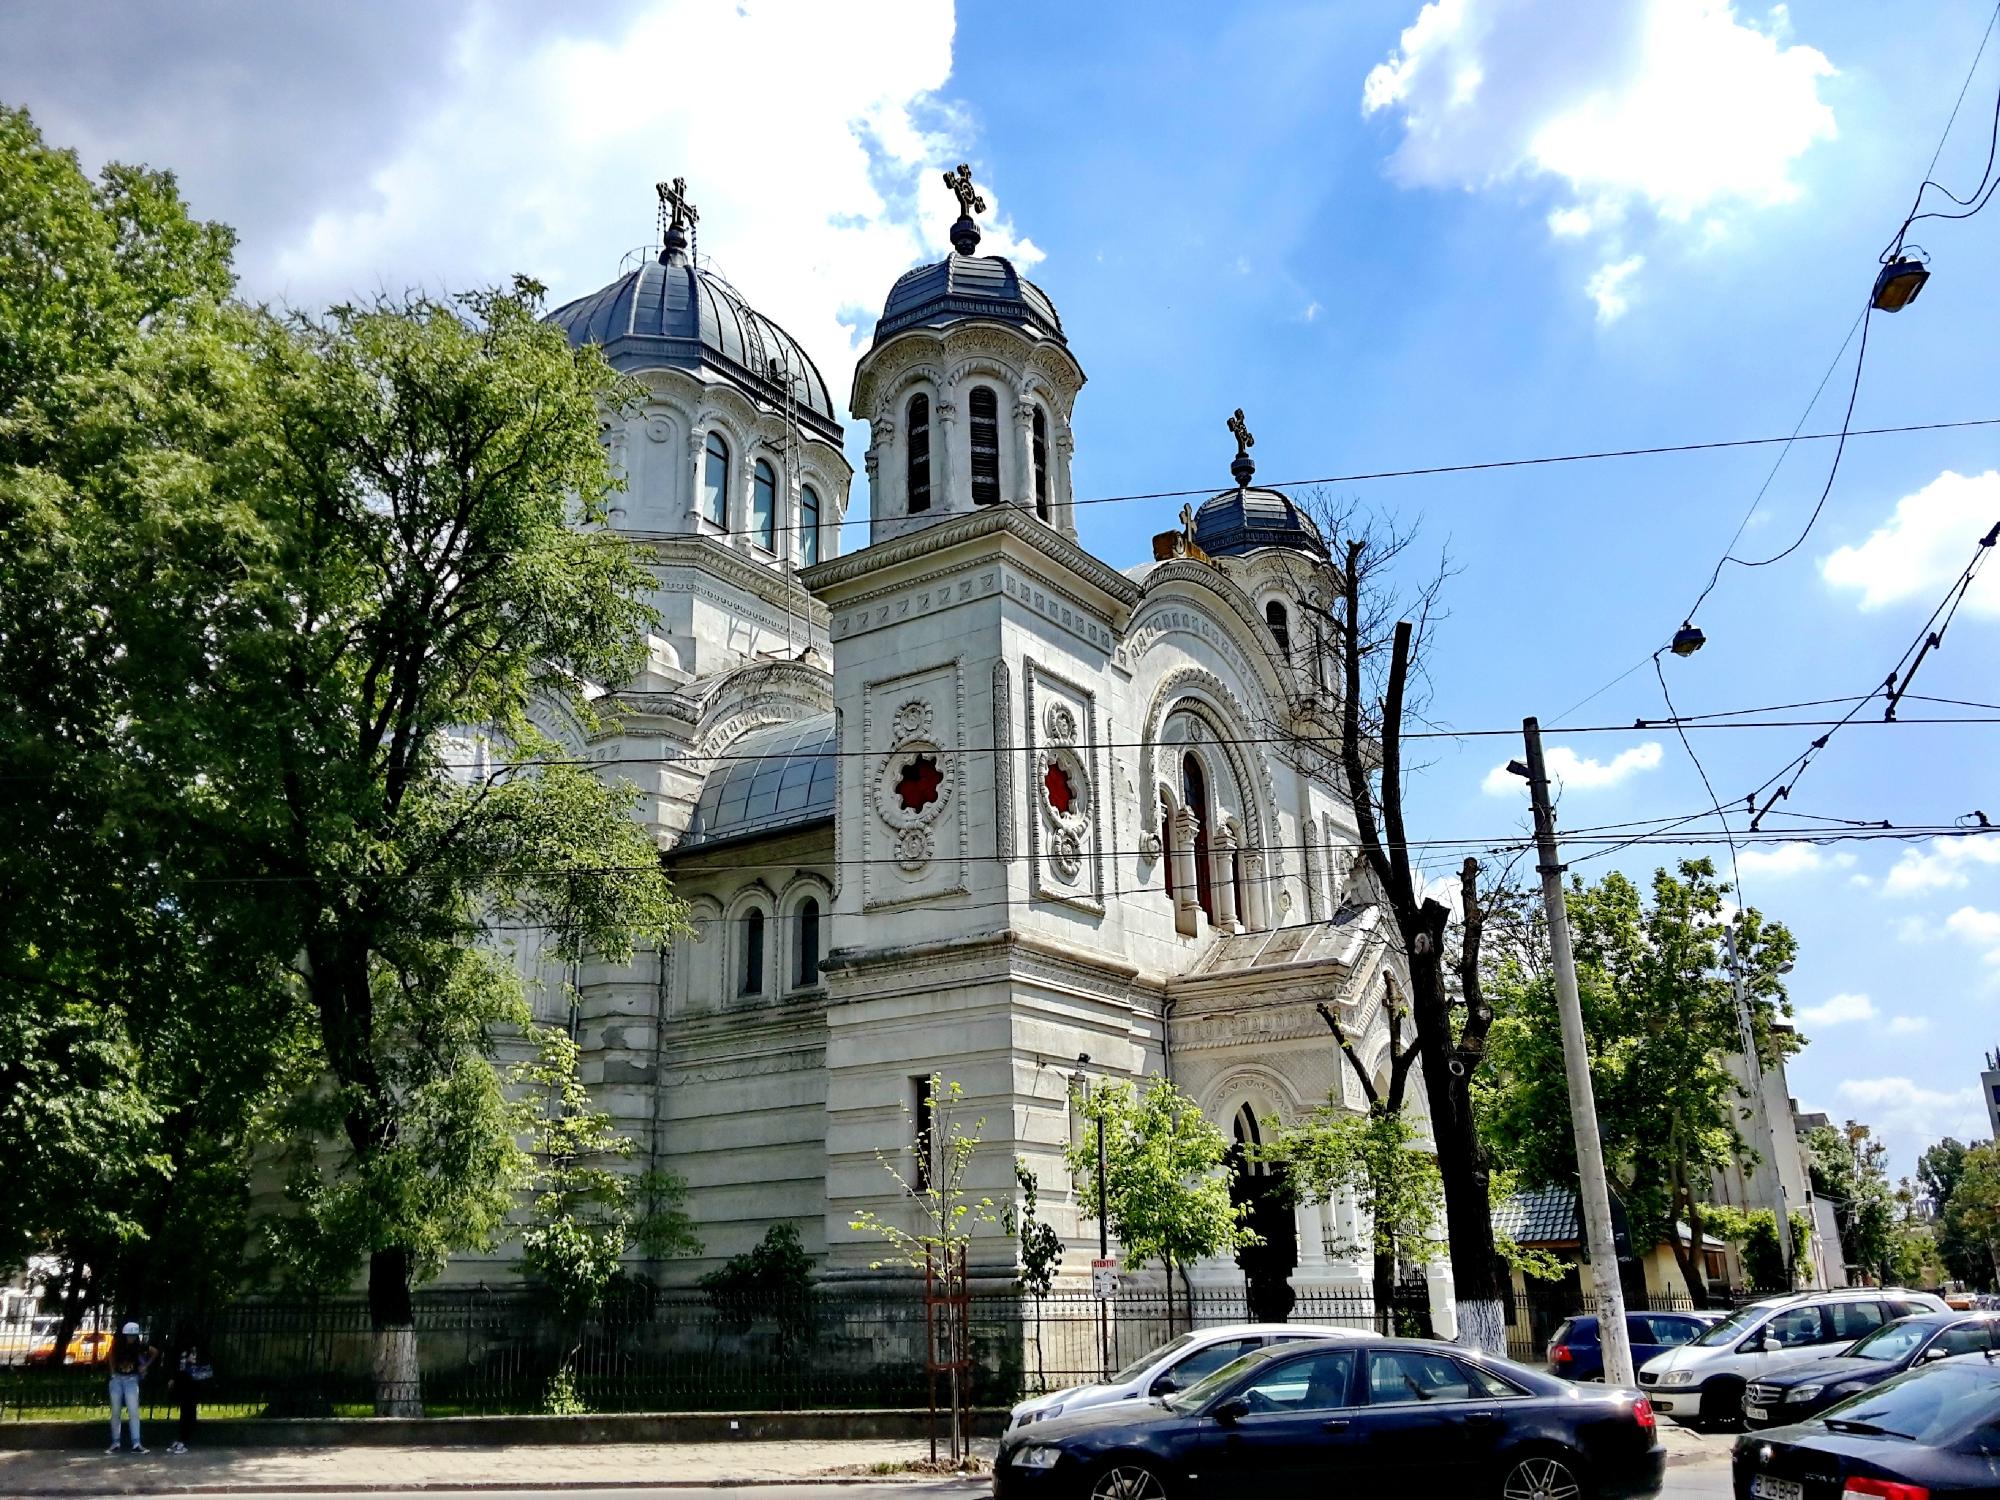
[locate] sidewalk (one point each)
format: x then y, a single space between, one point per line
623 1465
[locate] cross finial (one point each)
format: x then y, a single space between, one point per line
965 233
1187 522
677 216
1242 466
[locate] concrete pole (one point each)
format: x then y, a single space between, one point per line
1596 1195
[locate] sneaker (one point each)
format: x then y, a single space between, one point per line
112 1449
136 1448
177 1447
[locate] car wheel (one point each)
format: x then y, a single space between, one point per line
1722 1404
1127 1479
1542 1476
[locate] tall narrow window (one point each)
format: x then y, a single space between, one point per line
764 505
1280 625
1242 892
753 954
922 1147
807 971
1040 443
917 471
1167 836
715 480
1194 794
985 446
808 526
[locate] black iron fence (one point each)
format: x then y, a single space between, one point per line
493 1352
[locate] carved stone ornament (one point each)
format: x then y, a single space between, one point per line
913 720
1066 857
913 784
914 849
1149 846
1060 723
659 427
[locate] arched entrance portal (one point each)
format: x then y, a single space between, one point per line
1267 1268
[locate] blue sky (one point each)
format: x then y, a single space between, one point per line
1397 235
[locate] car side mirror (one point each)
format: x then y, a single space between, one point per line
1932 1353
1166 1385
1757 1343
1232 1410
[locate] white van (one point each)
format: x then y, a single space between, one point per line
1703 1382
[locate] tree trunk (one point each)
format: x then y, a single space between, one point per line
1385 1292
1689 1257
398 1383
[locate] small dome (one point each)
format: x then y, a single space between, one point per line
968 287
671 313
781 776
1239 521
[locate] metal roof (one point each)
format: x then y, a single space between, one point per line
672 313
967 287
777 777
1243 520
1540 1216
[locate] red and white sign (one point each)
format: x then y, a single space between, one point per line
1104 1279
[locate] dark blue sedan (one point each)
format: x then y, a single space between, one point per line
1791 1393
1932 1431
1576 1354
1362 1416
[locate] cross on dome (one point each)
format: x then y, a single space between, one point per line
965 233
1242 466
677 215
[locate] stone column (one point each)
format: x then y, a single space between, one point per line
1187 903
1222 867
1256 900
1346 1233
697 449
1024 455
1312 1241
1060 494
944 455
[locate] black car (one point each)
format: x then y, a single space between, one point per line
1388 1416
1934 1430
1791 1393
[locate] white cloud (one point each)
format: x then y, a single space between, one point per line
1606 287
1980 928
816 170
1916 930
1573 772
1676 109
1907 1111
1791 859
1838 1011
1942 867
1924 545
1908 1025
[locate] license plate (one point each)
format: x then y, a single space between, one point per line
1755 1413
1765 1487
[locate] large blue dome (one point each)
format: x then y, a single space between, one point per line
962 287
1244 520
671 313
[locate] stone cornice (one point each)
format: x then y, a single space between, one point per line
838 577
667 550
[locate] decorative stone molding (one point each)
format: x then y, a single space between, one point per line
915 714
1004 756
1064 852
1198 687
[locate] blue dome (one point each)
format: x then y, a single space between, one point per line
1239 521
780 776
963 287
671 313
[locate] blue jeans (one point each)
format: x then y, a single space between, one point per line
125 1393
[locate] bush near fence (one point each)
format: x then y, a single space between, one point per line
495 1352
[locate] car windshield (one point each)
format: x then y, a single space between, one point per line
1889 1342
1733 1327
1935 1405
1204 1390
1146 1362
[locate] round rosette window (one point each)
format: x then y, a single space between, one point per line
912 788
1062 791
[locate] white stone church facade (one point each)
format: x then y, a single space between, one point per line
965 800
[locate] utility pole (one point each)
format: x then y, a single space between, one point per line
1765 1131
1081 1082
1596 1194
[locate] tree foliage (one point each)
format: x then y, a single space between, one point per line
1972 1214
1850 1168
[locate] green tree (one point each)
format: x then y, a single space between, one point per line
1938 1172
1850 1168
1660 1019
1165 1188
1754 1232
585 1211
1376 1157
1041 1249
1972 1213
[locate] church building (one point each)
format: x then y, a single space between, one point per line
967 799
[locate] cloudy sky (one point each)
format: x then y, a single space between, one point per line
1398 235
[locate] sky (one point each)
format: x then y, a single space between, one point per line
1399 235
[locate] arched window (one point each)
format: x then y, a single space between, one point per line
806 969
715 481
917 469
1194 795
1249 1139
1242 891
985 446
764 505
808 526
1041 456
1167 836
753 953
1280 625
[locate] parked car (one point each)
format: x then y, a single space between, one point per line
1702 1382
1799 1391
85 1348
1934 1430
1365 1415
1575 1353
1173 1366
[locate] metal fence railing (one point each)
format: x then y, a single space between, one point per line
498 1351
1534 1316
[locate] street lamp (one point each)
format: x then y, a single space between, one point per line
1898 283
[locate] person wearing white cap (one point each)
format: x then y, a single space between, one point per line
130 1356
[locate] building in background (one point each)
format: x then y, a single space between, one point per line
1989 1090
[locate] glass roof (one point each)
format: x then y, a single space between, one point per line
771 778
